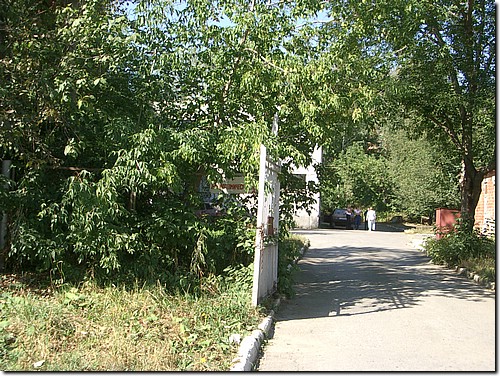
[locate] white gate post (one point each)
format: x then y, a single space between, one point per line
259 236
265 277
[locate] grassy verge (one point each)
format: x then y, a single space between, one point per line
483 267
459 248
91 328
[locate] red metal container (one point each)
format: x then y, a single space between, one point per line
445 220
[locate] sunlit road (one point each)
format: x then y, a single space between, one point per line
368 301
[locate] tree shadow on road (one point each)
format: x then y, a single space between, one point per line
342 281
392 227
380 227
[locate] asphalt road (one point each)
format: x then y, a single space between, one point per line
367 301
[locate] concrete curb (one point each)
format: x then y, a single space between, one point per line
475 277
250 346
249 349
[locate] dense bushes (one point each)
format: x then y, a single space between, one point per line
112 117
462 248
409 176
84 226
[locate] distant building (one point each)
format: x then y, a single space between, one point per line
302 218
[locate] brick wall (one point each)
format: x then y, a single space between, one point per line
485 210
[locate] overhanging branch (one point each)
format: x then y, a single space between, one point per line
453 136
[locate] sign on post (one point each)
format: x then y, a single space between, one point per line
233 186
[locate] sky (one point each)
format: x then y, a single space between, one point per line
225 21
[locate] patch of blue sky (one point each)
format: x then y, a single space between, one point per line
224 21
321 17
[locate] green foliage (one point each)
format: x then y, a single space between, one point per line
112 116
66 83
460 246
295 194
356 178
111 120
238 277
424 179
288 255
230 238
445 79
431 65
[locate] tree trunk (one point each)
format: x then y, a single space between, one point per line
470 187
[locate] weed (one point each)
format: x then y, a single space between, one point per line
92 328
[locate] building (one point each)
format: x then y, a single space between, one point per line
485 209
302 218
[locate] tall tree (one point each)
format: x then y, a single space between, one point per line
439 58
357 178
435 58
423 175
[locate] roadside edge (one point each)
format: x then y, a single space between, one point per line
250 346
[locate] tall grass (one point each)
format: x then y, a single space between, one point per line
91 328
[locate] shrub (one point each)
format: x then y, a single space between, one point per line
289 252
460 246
85 224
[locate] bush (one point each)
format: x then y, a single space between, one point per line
459 247
289 252
86 226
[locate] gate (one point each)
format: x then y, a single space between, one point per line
265 278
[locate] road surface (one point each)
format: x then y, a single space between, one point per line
368 301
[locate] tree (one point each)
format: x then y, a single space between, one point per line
439 63
357 178
70 102
446 80
423 178
112 119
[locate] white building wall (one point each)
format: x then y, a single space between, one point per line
302 218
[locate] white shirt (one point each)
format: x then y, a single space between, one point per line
370 215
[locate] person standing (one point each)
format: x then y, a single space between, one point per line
357 218
348 216
371 216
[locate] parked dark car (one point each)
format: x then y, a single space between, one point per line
338 218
